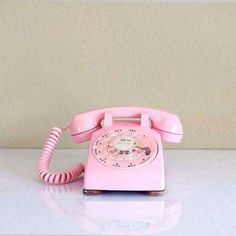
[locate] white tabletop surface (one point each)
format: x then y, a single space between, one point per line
200 198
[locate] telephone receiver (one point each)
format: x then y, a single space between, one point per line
155 124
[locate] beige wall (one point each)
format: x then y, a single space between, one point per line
58 58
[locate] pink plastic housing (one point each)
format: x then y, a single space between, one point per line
87 126
149 177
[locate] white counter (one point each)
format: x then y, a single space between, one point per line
200 198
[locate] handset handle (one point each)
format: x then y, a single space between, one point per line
46 156
167 124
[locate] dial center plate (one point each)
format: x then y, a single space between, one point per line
123 143
125 148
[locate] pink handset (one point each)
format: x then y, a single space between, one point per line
123 155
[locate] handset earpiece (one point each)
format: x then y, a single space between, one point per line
83 125
46 156
169 127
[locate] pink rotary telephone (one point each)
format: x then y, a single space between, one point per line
124 155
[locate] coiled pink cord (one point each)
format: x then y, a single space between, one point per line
45 158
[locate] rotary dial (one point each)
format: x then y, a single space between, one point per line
125 148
